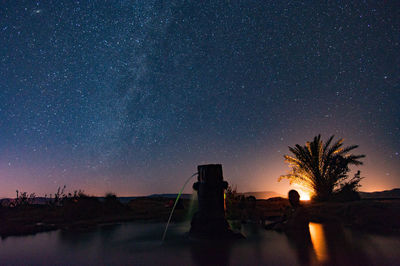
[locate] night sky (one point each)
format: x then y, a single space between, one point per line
130 96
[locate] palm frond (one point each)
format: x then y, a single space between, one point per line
320 166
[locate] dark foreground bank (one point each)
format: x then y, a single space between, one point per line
378 216
84 213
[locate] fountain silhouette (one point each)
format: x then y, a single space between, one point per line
209 221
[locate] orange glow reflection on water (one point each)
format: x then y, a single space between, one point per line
318 240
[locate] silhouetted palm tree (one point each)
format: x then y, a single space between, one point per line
320 167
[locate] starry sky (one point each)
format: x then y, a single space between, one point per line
130 96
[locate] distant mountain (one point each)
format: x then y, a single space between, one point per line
386 194
262 194
258 195
183 196
394 193
37 200
43 201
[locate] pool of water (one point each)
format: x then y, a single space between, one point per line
140 244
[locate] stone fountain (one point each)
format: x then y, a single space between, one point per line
209 222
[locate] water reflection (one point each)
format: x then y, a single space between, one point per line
301 242
212 253
140 244
333 245
318 240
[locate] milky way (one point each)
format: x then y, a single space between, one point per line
130 96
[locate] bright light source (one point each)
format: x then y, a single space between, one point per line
304 195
